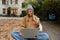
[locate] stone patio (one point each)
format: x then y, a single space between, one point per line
8 24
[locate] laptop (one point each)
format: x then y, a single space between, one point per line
30 32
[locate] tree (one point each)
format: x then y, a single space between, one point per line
44 7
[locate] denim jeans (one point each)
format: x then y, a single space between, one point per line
41 36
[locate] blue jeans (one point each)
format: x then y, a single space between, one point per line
41 36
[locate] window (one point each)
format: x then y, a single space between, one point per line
14 10
11 1
4 2
4 10
16 1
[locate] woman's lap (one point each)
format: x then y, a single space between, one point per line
41 36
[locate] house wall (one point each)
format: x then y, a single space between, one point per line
13 5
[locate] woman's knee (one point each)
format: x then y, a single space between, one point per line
46 36
43 35
14 33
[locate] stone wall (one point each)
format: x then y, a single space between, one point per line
7 26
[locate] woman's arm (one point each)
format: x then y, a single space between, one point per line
38 23
40 27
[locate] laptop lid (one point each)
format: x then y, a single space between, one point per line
30 32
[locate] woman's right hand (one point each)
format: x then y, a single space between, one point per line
21 34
